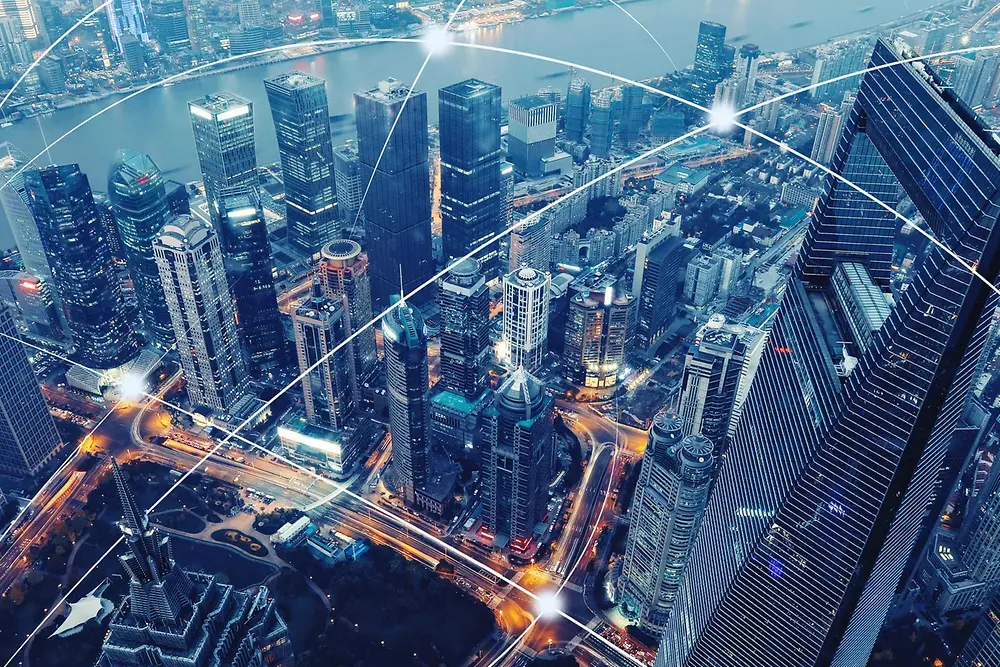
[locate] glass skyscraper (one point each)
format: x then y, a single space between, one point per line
302 124
824 495
397 209
76 245
223 136
139 198
471 157
710 66
465 330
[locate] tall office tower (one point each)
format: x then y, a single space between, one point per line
407 382
713 369
397 209
26 13
524 340
106 211
302 124
248 264
596 334
654 279
531 133
250 13
669 502
14 49
602 124
34 306
531 246
746 70
710 66
331 388
835 61
223 136
983 647
196 24
28 436
132 53
633 115
343 271
126 17
350 189
728 93
701 281
197 619
577 108
518 460
801 551
139 198
974 77
83 271
827 134
14 202
189 259
464 299
471 160
169 24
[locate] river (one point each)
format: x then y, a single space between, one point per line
604 38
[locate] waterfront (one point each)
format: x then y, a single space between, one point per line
156 122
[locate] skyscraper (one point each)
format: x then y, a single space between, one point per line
517 464
983 647
602 124
169 24
471 159
196 618
531 246
669 502
83 271
465 329
701 281
806 540
139 198
524 340
974 77
343 271
126 17
710 66
28 436
633 116
577 108
654 281
198 300
531 132
223 136
596 335
835 61
350 189
827 135
26 13
397 209
713 367
746 70
407 382
248 264
302 124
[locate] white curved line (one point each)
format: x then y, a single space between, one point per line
645 30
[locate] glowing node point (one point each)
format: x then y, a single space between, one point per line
436 39
548 604
132 386
722 118
783 147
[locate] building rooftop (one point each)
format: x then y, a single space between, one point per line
223 105
295 80
388 91
677 173
470 88
531 102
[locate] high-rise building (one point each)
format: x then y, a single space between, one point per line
132 53
654 279
633 115
14 49
83 271
126 17
343 271
302 124
26 13
248 264
531 132
408 389
464 299
524 340
169 24
669 502
250 13
596 334
827 135
471 160
710 66
397 208
517 465
577 108
713 368
139 197
835 61
350 189
33 304
983 647
806 541
28 436
531 246
223 136
189 259
197 619
974 77
746 70
602 124
701 281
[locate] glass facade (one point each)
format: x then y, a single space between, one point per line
223 136
822 499
710 66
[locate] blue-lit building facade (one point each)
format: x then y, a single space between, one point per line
222 124
806 540
471 159
302 124
710 66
